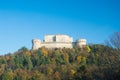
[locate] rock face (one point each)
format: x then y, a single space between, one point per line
57 41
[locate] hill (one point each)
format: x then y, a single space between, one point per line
94 62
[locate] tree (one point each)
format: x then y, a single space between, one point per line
57 75
36 75
44 51
21 74
114 40
24 49
8 75
3 60
29 64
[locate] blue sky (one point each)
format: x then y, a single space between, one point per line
23 20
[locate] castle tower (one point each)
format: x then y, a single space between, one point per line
36 44
81 42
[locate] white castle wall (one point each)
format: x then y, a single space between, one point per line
58 38
63 38
57 45
49 38
57 41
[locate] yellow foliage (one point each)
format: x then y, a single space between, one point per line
49 71
44 51
38 75
27 53
2 69
84 59
64 68
11 74
66 57
72 71
88 49
79 58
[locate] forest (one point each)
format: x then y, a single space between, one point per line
93 62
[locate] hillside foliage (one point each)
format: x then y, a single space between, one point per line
94 62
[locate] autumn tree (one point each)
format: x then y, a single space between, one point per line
36 75
8 75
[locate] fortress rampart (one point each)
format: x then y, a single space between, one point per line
57 41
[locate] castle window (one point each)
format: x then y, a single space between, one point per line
54 39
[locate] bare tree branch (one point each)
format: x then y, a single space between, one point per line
114 40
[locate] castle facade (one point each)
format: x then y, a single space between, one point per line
57 41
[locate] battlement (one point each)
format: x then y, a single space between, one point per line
57 41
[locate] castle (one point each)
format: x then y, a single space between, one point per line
57 41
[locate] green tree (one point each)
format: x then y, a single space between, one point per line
3 60
23 49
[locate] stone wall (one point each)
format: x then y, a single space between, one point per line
58 38
36 43
63 38
57 41
49 38
57 45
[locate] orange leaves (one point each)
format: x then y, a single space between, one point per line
23 74
57 75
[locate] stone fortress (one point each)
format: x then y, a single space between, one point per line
57 41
